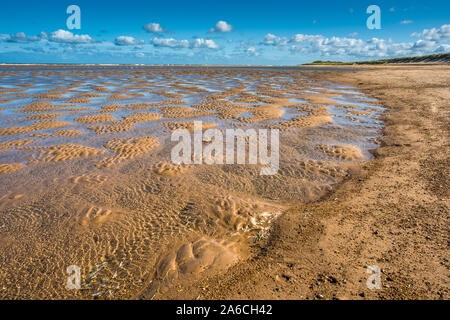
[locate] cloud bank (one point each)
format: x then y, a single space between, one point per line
198 43
127 41
429 42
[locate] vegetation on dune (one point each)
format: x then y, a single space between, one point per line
442 57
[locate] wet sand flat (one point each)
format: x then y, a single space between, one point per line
392 212
87 178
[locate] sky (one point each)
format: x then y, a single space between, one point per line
228 32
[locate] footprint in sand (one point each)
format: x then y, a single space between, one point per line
95 215
88 179
231 213
242 215
343 152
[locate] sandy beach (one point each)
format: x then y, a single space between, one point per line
391 212
87 180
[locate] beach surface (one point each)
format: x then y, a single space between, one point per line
391 213
88 183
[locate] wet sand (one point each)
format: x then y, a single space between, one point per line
391 212
87 180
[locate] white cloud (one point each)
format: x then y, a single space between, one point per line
443 48
18 37
392 10
438 35
350 47
154 27
204 43
221 26
64 36
127 41
406 22
423 45
170 43
273 40
251 51
198 43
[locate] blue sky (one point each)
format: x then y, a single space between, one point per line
220 32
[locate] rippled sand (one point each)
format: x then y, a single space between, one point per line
86 177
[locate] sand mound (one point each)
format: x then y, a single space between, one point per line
98 118
51 124
67 133
192 259
15 143
126 124
44 116
10 167
321 98
77 100
168 169
99 88
65 152
111 107
128 149
47 96
139 106
183 112
142 117
118 97
188 125
38 135
113 127
359 113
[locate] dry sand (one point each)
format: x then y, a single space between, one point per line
392 212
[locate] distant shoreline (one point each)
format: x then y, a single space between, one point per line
150 65
443 58
205 67
436 59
